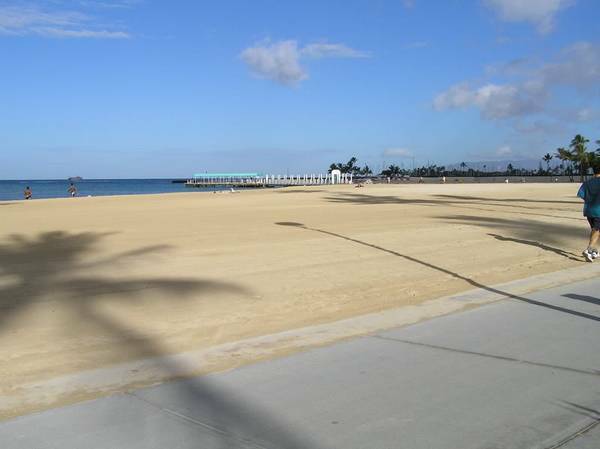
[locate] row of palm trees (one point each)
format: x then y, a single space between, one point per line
576 158
351 167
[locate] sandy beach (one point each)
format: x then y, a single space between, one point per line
92 282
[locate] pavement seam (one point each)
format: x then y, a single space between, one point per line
575 435
196 422
492 356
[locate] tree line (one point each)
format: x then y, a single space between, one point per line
576 160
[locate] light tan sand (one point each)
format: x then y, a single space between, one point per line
91 282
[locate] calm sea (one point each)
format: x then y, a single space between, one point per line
13 190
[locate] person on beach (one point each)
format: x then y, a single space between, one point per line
589 192
72 190
27 193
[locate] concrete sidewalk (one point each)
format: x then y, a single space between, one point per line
519 373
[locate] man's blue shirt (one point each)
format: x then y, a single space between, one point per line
590 193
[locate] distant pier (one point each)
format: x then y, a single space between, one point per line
265 180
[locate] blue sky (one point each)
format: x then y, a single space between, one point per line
148 88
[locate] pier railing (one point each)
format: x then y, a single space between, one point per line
206 180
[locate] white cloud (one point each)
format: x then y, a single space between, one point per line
530 86
458 96
325 50
100 34
28 20
417 44
514 68
493 100
504 151
585 114
15 19
540 127
397 152
577 115
538 12
110 4
281 61
579 66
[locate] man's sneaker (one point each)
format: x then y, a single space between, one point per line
588 255
594 254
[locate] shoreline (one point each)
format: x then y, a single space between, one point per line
535 180
123 195
227 189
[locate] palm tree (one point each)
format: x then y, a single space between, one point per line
393 171
580 154
348 167
547 158
463 165
566 156
336 166
366 170
563 154
593 158
579 141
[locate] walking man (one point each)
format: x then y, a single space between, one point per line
590 193
27 193
72 190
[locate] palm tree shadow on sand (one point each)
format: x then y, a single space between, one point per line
462 202
53 262
552 249
524 230
466 279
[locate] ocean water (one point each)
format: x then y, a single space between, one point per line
13 190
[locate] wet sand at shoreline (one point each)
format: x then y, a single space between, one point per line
91 282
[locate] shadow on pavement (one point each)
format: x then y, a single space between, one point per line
490 356
580 409
584 298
